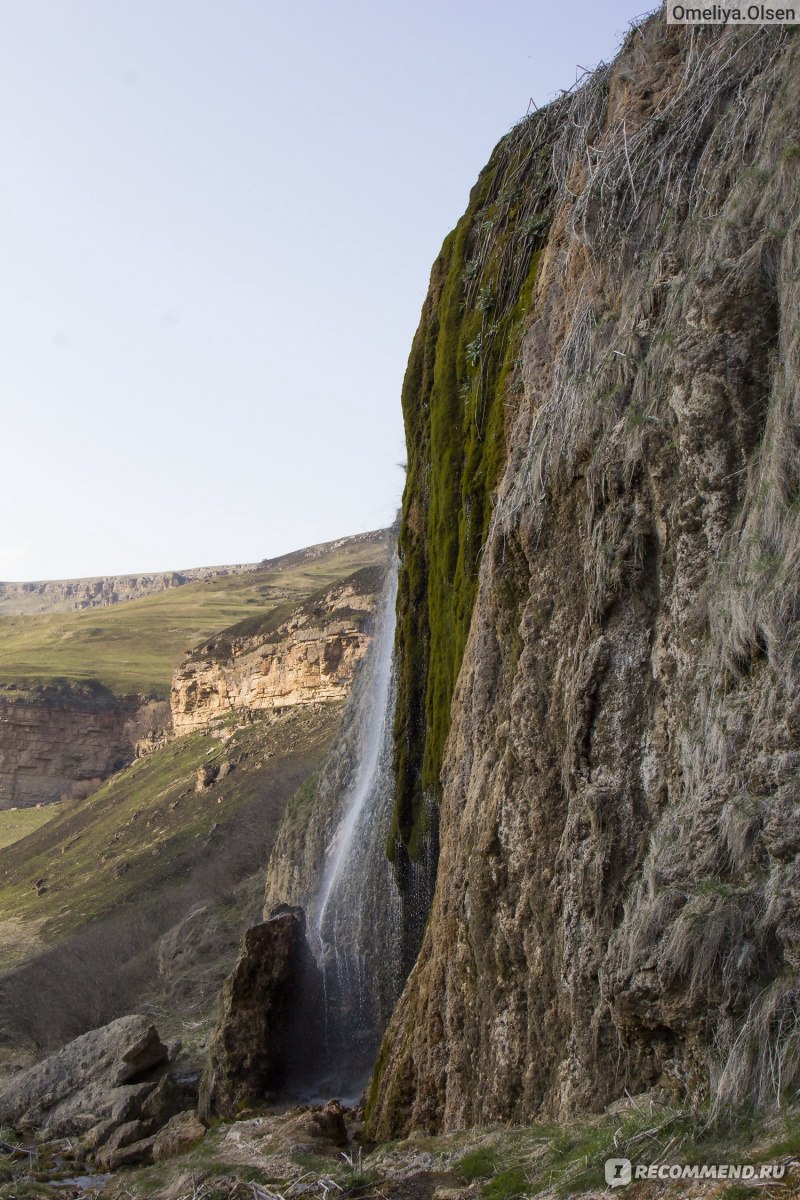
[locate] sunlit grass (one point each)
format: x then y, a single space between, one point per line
133 647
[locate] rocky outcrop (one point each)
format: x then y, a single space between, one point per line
306 658
270 1023
53 738
102 1075
109 1092
618 895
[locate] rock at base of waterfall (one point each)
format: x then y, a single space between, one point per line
270 1028
329 1121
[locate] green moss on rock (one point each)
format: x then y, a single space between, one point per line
458 384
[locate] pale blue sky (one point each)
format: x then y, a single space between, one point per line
218 220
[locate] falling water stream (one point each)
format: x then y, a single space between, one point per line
367 794
356 918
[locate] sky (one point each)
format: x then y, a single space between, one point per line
217 221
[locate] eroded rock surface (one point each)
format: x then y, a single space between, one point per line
52 738
618 895
104 1076
306 659
270 1023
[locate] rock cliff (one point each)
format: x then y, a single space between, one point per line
52 738
304 658
598 617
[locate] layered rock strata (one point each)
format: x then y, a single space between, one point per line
306 658
52 738
67 595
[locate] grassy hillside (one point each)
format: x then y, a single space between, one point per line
138 894
148 828
16 823
133 647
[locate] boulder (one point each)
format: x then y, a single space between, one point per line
132 1133
166 1099
331 1122
135 1154
206 776
95 1078
271 1023
179 1134
325 1123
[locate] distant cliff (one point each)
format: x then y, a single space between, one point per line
54 738
308 657
599 614
81 692
65 595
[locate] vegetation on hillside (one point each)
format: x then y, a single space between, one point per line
17 823
133 647
86 897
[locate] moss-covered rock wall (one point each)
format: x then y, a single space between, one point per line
460 377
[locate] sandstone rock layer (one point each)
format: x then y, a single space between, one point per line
52 738
306 658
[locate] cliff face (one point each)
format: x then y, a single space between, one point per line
618 897
52 738
306 659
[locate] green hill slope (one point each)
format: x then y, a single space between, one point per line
148 827
137 895
132 647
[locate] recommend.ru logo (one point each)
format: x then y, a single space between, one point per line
620 1171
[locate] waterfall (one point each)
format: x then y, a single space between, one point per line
357 913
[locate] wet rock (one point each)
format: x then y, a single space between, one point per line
305 1127
330 1120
